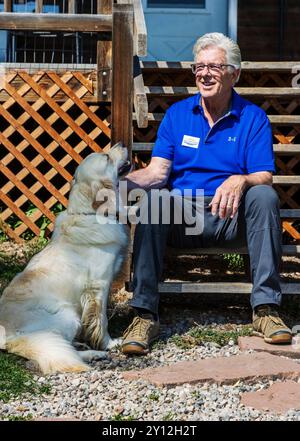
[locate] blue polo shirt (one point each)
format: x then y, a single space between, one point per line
203 157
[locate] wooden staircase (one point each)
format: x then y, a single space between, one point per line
268 85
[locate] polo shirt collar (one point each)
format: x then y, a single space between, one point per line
236 105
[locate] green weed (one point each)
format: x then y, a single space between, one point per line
197 336
16 381
235 262
154 396
120 417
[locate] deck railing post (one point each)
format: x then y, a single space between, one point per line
104 58
38 6
122 75
7 6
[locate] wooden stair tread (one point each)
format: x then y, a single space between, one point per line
286 180
243 91
286 249
219 287
289 149
260 66
274 119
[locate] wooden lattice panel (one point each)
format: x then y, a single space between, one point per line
183 77
47 126
266 79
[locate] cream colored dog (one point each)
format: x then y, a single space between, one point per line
63 291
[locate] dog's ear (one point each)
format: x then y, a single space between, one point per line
97 200
107 183
97 204
105 197
101 192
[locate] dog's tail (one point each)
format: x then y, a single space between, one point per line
50 351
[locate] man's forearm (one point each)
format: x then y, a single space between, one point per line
259 178
144 178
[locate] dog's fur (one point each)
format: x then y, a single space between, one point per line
63 291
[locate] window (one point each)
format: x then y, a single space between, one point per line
176 4
53 6
23 6
48 46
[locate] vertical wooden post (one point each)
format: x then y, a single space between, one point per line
122 87
104 57
122 75
7 5
38 6
71 7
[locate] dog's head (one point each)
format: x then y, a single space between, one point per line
97 172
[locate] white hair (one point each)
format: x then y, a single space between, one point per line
231 48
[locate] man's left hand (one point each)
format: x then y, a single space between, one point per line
227 197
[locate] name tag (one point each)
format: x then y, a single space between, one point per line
190 141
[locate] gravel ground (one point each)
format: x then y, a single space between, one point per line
102 394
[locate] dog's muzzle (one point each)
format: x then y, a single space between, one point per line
124 168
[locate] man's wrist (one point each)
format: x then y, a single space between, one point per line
246 182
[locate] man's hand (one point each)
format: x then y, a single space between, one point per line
227 197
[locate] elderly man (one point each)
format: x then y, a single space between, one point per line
221 143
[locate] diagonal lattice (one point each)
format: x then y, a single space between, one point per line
49 123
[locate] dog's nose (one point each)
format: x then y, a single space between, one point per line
124 168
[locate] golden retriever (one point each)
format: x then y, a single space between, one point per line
63 291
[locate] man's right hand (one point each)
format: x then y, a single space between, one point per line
227 197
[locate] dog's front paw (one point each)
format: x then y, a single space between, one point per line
81 346
113 343
89 356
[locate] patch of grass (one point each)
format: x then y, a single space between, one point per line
154 396
168 417
16 381
159 344
198 336
120 417
12 264
235 262
28 417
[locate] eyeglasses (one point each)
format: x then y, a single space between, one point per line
213 68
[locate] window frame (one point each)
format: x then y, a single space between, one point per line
188 10
190 7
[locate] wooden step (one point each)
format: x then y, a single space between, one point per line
282 120
219 287
287 149
287 250
260 92
286 180
255 66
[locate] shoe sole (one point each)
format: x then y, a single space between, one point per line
131 349
276 339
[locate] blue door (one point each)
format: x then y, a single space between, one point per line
173 26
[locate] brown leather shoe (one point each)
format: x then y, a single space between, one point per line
139 335
268 324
